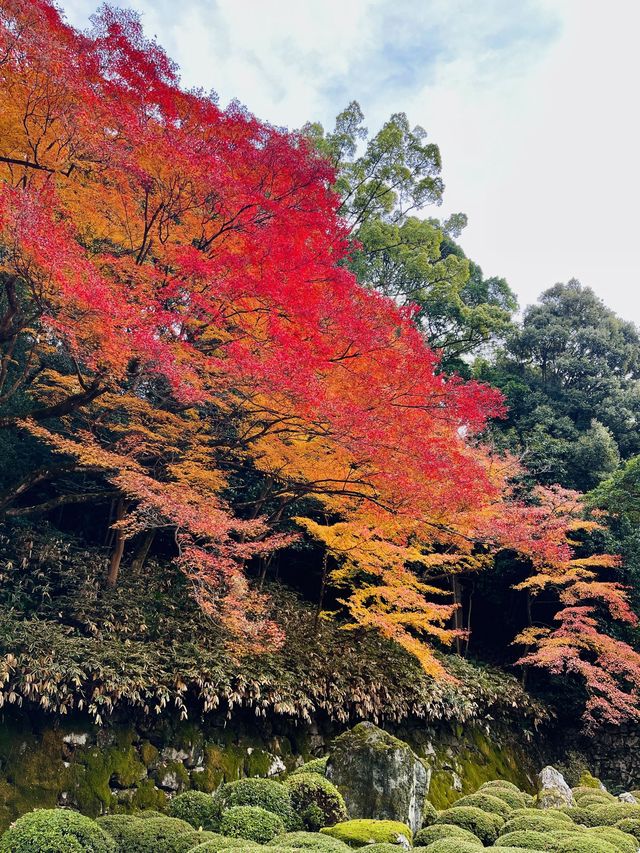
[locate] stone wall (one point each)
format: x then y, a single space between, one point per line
46 762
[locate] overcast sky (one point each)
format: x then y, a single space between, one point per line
534 104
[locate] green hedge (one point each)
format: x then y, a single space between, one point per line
251 822
56 831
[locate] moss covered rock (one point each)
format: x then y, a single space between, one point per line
378 775
358 833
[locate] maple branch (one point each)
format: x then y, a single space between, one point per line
63 500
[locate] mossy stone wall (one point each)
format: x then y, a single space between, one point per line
46 762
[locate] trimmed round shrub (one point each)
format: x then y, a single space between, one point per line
239 847
251 822
148 813
382 847
215 843
526 840
454 845
309 841
586 844
429 813
625 842
266 793
538 822
56 831
316 800
613 812
588 790
630 825
429 834
500 783
357 833
487 803
515 799
484 825
554 814
135 835
595 798
316 765
581 816
197 808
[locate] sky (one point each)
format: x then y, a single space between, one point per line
533 103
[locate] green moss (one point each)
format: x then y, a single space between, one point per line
630 825
258 762
589 781
358 833
148 753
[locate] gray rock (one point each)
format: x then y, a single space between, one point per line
378 775
553 791
626 797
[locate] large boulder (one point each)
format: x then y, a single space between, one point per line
378 775
553 791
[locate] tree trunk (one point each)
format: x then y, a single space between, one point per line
118 548
458 616
143 550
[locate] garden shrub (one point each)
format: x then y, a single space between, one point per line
630 825
429 834
135 835
316 800
579 815
487 803
357 833
527 840
148 813
553 814
196 808
56 831
309 841
316 765
484 825
216 843
613 812
266 793
595 798
501 783
515 799
541 821
454 845
586 844
251 822
429 813
625 842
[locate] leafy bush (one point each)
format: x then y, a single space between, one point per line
540 821
553 814
625 842
630 825
516 799
501 783
586 844
316 765
309 841
579 815
252 822
316 800
594 798
135 835
196 808
454 845
215 843
610 814
357 833
56 831
266 793
527 840
429 813
483 824
429 834
487 803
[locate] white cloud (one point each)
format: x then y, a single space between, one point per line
533 106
